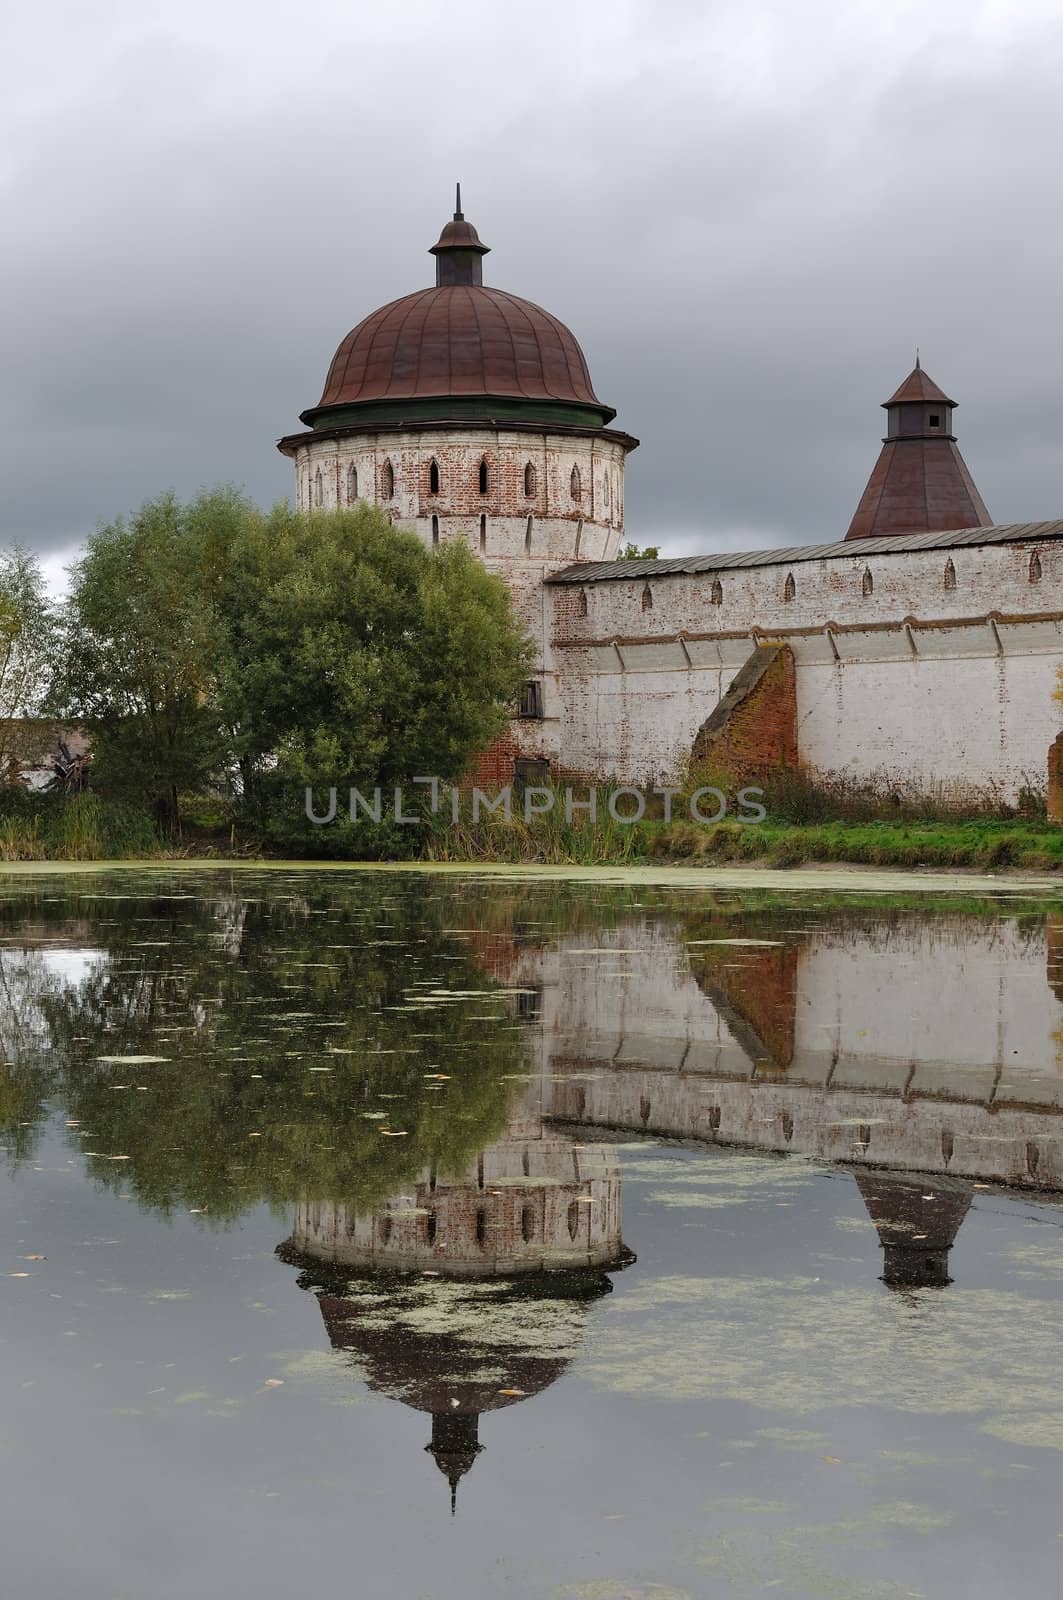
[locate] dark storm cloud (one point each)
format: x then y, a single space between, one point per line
749 214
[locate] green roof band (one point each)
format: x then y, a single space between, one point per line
457 408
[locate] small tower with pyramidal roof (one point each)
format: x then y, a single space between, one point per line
920 483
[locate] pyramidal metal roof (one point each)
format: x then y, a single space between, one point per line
918 386
855 549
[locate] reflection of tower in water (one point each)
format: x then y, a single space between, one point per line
917 1220
469 1294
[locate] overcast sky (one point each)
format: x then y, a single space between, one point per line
749 213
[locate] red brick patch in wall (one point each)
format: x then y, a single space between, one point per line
493 767
753 730
1055 779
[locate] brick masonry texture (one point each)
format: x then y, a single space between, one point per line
753 729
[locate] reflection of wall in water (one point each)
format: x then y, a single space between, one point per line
901 1041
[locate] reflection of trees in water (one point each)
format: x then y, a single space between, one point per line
26 1069
286 1023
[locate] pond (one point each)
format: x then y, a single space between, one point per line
439 1236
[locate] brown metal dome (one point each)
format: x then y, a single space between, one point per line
460 339
458 351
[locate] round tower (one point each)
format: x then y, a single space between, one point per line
468 413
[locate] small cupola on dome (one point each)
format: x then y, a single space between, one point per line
920 483
458 251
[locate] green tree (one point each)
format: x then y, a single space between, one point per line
26 643
142 645
631 552
356 656
282 1030
207 641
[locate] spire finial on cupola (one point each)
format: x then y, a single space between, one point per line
458 251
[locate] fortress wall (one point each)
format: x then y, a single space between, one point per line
913 683
960 723
830 590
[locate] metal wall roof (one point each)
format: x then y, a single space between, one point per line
852 549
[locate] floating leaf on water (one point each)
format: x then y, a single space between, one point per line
131 1061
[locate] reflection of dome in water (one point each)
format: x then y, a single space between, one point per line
457 1348
472 1295
917 1220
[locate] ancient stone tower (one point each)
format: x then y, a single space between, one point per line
469 414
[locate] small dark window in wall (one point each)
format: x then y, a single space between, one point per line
575 484
430 1227
435 530
789 588
716 593
1035 568
530 772
387 481
529 479
527 537
573 1219
950 574
317 487
352 484
385 1229
481 1226
433 478
581 605
483 534
530 703
579 536
867 582
483 477
647 598
527 1224
935 420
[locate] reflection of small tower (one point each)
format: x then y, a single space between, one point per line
917 1220
455 1445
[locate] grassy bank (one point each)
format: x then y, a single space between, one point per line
91 828
978 844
